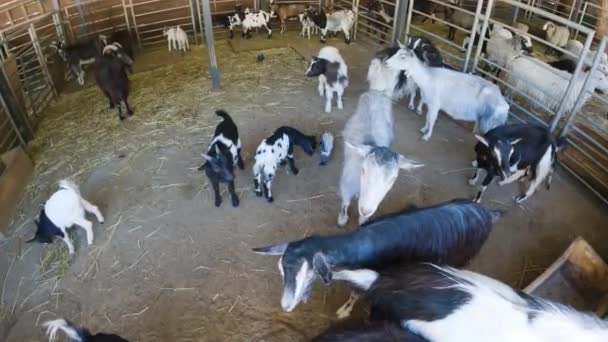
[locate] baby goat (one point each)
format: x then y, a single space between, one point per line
176 38
332 73
77 334
513 152
223 153
273 151
64 209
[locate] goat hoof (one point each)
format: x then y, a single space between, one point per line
235 202
342 220
258 193
472 181
520 199
112 106
425 137
295 171
270 199
121 118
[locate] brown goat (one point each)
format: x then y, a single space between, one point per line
286 11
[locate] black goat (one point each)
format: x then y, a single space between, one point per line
123 38
223 153
448 233
78 54
111 76
78 334
367 332
513 152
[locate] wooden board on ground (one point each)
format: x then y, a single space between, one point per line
13 180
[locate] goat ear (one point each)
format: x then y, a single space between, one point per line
515 141
322 267
362 150
408 164
272 250
482 140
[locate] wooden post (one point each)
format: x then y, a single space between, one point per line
215 73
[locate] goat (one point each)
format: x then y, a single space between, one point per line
462 19
308 25
514 151
341 20
285 11
449 233
556 35
440 303
576 47
370 167
176 38
501 51
427 7
379 20
111 76
64 209
236 19
223 154
547 85
462 96
332 72
78 334
76 55
254 20
123 38
326 145
367 332
273 151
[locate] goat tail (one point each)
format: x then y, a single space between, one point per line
68 184
73 332
223 114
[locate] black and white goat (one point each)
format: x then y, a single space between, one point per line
338 21
462 96
223 154
236 19
379 19
78 334
443 304
112 77
332 73
76 55
274 151
65 209
254 20
449 233
513 152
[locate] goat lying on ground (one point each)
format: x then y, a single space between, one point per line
111 76
64 209
223 154
443 304
77 334
332 73
273 151
513 152
449 233
461 96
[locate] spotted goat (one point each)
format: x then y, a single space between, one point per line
332 73
276 150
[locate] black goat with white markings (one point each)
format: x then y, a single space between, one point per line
513 152
367 332
274 151
78 334
449 233
112 77
223 153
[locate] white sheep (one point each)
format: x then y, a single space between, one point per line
332 74
502 51
370 167
64 209
462 96
548 85
556 35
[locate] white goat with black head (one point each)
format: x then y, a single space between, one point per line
443 304
462 96
515 152
332 73
370 166
276 150
223 154
65 209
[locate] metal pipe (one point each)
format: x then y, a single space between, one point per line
580 19
549 16
215 73
126 14
482 34
83 22
408 23
356 24
135 23
399 20
579 101
42 59
577 71
193 16
467 55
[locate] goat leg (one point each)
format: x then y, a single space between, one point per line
256 187
267 192
216 192
129 111
240 162
120 116
486 181
109 98
233 195
292 165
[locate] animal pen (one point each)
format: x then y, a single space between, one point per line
175 98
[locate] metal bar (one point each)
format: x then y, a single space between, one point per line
126 15
579 101
408 22
482 34
135 24
42 59
200 19
356 24
83 30
580 19
467 54
577 71
193 16
400 19
215 73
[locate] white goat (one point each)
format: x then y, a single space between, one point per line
370 167
176 38
254 20
64 209
502 51
332 73
308 25
556 35
548 85
462 96
341 20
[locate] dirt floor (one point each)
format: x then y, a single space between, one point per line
169 266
